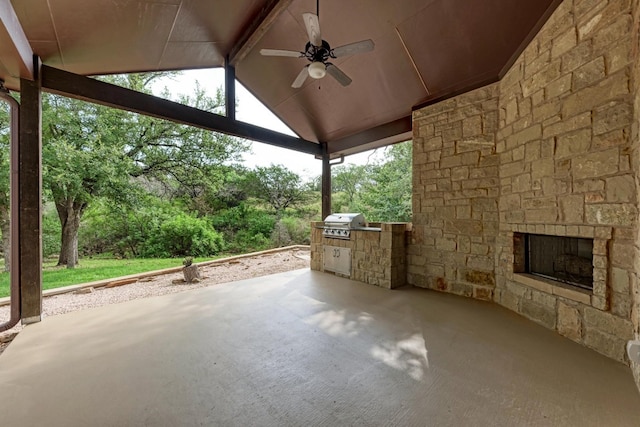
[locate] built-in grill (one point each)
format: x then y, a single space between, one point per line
339 225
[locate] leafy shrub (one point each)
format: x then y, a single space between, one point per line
151 229
280 235
291 230
245 228
121 230
245 242
184 235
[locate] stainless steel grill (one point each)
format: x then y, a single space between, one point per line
339 225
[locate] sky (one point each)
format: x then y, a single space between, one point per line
252 111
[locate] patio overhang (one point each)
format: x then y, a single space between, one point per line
424 51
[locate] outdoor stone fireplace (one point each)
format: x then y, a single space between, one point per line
573 268
545 160
562 259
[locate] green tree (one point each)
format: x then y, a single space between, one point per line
92 151
349 180
80 162
229 191
386 194
277 186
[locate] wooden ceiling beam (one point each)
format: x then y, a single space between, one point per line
257 29
15 50
92 90
388 133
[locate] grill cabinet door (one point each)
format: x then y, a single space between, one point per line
337 259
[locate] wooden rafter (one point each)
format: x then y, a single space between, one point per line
383 132
14 45
257 29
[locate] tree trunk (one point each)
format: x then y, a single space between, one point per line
70 213
5 227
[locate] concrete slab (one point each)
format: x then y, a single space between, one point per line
306 348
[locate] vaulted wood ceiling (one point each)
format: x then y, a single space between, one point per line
425 50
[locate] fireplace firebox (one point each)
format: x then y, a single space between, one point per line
565 259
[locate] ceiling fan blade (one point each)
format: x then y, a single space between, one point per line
302 77
337 74
353 48
312 24
280 52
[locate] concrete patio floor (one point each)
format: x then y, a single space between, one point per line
306 348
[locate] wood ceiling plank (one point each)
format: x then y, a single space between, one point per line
130 36
196 54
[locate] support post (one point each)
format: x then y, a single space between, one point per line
326 182
230 89
30 198
14 217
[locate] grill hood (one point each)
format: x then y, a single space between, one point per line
345 220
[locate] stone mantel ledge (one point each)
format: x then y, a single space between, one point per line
553 287
580 231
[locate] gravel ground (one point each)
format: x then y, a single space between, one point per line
230 271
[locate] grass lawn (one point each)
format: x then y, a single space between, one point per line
96 269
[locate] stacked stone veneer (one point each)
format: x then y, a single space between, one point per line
635 136
550 149
456 190
377 257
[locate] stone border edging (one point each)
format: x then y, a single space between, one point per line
170 270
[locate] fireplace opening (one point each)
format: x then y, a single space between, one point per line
565 259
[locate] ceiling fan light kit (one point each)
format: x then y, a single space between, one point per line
318 52
317 70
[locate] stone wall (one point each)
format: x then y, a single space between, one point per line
635 136
566 111
550 149
377 257
455 195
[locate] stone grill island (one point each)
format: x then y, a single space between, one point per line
375 254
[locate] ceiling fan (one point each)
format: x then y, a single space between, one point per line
318 52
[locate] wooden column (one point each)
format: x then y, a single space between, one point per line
30 198
230 90
326 182
14 276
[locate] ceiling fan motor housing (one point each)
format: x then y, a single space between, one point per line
317 53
